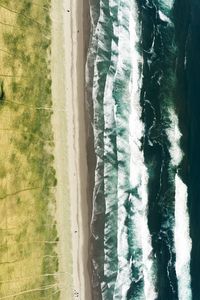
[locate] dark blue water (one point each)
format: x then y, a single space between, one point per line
193 101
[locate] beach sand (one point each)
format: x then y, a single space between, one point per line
68 62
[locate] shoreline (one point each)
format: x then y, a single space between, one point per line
69 128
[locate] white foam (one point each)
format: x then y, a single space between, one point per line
95 44
182 238
138 171
183 242
163 17
110 171
174 136
123 280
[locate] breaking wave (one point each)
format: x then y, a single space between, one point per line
140 221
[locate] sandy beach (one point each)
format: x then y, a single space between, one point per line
67 61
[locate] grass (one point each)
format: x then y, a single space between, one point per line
28 235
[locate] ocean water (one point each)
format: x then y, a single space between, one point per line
143 96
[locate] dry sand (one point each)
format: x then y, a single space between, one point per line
68 56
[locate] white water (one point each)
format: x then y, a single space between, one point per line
138 171
97 42
123 280
110 169
127 48
183 242
182 238
174 136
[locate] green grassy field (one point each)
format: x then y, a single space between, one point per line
28 236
